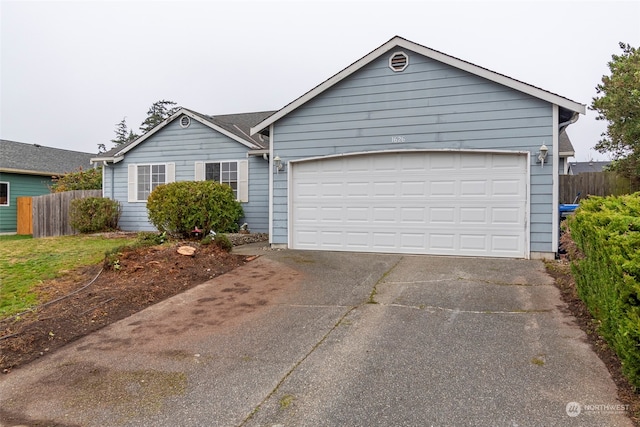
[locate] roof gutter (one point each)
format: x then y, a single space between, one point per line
574 118
104 160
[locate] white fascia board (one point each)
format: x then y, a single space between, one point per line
218 129
567 153
399 42
149 134
175 116
103 160
323 86
496 77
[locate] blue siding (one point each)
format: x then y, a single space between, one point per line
174 144
20 186
431 106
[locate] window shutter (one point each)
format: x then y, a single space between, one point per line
171 173
243 181
199 171
132 183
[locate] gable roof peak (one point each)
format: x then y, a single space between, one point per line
234 126
398 41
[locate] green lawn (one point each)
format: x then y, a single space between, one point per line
26 262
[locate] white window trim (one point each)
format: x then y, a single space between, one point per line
243 175
132 171
8 193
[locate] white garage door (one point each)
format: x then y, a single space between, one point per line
441 203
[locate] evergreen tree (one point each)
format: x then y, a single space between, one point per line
123 133
618 102
157 113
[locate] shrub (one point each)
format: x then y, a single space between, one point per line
180 207
607 232
94 214
90 179
143 240
223 242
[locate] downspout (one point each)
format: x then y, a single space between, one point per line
105 164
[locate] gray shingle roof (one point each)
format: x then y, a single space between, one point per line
240 125
564 143
583 167
39 160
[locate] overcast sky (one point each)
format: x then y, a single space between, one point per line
70 71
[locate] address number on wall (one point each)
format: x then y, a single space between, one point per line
398 139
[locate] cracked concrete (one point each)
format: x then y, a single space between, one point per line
340 339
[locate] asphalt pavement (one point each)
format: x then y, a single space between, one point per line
303 338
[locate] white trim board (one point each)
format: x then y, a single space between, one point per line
399 42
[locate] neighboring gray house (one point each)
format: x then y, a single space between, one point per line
190 146
409 150
564 152
576 168
26 170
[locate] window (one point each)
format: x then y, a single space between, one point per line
224 173
234 173
149 177
4 194
143 179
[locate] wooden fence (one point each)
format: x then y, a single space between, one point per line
593 184
51 212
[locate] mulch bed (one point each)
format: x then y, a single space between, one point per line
90 298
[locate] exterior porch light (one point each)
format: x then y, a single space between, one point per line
278 163
542 155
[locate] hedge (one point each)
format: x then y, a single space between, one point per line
607 232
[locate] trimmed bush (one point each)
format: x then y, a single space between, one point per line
607 232
223 242
180 207
94 214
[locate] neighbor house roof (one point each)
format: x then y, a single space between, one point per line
34 159
584 167
396 42
565 147
235 126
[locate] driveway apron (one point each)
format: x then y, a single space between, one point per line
302 338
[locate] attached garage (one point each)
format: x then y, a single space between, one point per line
410 150
420 202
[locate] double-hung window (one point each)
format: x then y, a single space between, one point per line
234 173
149 177
224 173
143 179
4 194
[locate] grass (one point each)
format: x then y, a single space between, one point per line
26 262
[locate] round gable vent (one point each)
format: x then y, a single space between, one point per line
185 121
398 61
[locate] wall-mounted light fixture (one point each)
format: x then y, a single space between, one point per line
542 155
278 163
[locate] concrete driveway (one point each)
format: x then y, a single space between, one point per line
332 339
